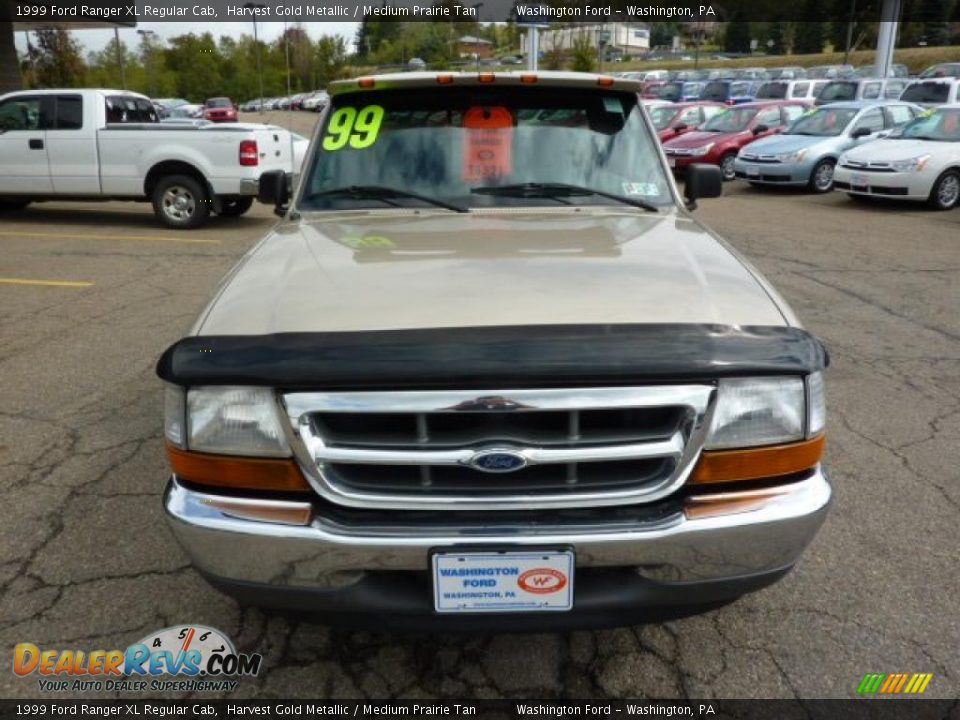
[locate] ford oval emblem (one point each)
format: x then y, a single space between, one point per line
498 461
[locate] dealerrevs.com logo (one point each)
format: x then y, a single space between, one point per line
183 658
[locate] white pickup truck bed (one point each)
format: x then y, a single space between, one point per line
108 145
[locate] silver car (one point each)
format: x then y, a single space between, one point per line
806 153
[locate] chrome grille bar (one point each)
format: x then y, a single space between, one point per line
415 449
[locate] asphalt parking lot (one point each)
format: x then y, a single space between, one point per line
91 294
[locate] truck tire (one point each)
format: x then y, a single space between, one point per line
181 202
235 207
946 191
11 204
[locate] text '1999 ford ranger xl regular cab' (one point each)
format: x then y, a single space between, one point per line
489 374
109 145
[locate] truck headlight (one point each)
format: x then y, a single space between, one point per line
816 405
910 165
234 421
175 415
702 150
758 411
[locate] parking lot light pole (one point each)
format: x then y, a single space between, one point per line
256 41
146 35
123 72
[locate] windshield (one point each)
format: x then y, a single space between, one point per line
671 91
219 102
825 122
944 70
733 120
834 91
717 90
444 144
927 92
772 91
662 116
740 89
940 125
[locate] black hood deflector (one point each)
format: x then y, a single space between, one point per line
488 357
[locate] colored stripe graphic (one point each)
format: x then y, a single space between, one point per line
894 683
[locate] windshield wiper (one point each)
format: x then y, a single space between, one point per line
386 194
557 190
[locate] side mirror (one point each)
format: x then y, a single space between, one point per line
680 127
759 129
274 190
860 132
702 181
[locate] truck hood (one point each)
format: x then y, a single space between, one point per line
383 270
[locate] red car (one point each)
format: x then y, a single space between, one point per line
720 138
671 121
220 109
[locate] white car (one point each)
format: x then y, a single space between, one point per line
316 102
920 162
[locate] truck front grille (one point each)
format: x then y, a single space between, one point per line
575 447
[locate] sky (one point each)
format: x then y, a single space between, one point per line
97 39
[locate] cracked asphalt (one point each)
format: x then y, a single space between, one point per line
86 560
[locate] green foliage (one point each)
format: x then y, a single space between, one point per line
662 33
55 59
810 36
584 55
737 38
777 39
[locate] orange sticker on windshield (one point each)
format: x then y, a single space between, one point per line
488 146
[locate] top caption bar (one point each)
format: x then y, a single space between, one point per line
123 12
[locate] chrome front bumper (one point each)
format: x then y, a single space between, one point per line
225 543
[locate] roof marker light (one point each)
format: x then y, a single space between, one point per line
605 81
445 79
366 82
528 78
486 77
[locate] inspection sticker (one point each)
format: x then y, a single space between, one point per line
520 581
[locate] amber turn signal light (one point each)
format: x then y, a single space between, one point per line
276 474
718 466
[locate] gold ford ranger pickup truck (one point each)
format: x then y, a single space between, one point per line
489 373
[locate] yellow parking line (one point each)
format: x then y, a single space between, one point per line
53 283
142 238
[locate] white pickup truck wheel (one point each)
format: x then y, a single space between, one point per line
181 202
235 207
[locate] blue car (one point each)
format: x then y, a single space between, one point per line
731 92
806 153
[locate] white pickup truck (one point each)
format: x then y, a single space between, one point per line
110 145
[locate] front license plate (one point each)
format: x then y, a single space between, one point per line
858 180
672 162
753 171
505 582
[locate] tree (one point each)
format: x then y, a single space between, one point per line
331 58
777 39
56 59
197 62
809 35
584 55
737 38
662 33
9 67
933 16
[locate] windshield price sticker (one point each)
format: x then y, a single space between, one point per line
358 128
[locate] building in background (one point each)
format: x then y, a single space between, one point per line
627 39
469 46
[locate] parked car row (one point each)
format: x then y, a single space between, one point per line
313 101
